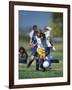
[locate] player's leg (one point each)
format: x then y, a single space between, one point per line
32 57
48 59
30 62
41 60
39 51
37 62
48 55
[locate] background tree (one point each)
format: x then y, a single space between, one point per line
57 24
58 19
56 32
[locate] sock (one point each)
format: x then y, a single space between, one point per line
41 64
48 59
40 60
37 64
29 64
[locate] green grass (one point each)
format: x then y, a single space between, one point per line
25 73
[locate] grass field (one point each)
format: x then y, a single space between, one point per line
57 68
25 73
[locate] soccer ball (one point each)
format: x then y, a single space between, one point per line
45 64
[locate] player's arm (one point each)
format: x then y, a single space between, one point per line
30 43
53 47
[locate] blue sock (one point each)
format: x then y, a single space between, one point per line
48 59
40 60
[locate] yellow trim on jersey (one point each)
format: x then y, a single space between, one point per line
41 52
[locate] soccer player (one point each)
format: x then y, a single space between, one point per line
33 44
49 43
41 44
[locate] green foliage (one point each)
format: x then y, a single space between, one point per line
56 31
58 19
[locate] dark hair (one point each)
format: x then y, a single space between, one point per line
22 48
43 35
24 51
34 26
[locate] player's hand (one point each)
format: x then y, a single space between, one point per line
33 45
54 49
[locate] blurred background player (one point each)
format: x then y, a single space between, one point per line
33 44
23 56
